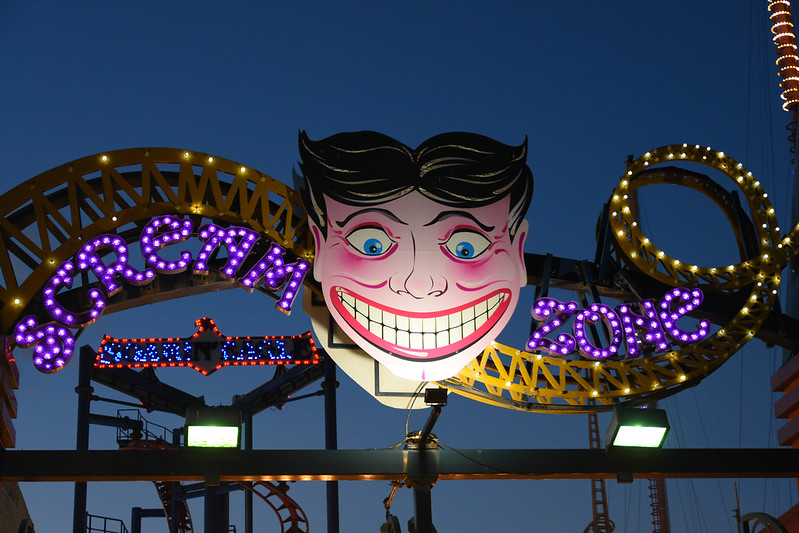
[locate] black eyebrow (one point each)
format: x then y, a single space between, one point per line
464 214
384 212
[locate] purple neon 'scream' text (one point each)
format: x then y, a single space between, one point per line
54 343
653 325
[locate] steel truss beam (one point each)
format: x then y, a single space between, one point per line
214 466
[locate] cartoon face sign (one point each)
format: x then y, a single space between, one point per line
420 287
421 276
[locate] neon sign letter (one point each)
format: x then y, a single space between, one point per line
625 326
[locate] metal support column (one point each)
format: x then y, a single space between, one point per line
84 390
177 490
248 524
331 441
424 478
216 509
423 507
135 520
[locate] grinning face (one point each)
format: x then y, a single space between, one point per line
421 287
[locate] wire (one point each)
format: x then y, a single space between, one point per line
472 459
413 400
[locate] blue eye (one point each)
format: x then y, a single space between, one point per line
370 241
466 244
464 249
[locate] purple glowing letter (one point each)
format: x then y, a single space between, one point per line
150 243
275 273
54 343
593 314
647 321
543 309
214 236
89 259
687 300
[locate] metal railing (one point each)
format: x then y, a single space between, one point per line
149 431
104 524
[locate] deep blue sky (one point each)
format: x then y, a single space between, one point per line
587 83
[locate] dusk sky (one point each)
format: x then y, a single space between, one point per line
586 84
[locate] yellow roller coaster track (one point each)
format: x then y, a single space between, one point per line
537 382
46 220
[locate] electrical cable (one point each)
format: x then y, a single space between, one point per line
413 400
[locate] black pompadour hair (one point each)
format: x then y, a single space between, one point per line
454 169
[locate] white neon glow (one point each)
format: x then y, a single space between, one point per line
639 436
212 436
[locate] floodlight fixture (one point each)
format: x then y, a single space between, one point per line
637 428
435 396
213 427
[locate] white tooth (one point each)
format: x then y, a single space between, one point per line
416 325
429 325
417 342
493 301
455 319
442 338
389 319
455 334
403 339
429 341
362 320
480 308
468 328
442 323
362 307
480 320
376 328
349 300
375 314
467 314
403 323
390 335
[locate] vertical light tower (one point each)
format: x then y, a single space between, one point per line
787 60
788 63
785 379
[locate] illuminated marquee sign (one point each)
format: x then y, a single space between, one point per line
653 325
54 342
206 351
419 258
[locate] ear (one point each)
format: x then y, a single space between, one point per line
521 236
319 241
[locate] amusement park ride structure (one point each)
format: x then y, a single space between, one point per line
53 217
49 219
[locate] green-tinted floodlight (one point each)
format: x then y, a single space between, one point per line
637 428
213 427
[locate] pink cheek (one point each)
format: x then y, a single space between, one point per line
359 268
494 269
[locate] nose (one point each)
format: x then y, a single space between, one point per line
422 278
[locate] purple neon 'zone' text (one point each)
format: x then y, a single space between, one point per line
54 346
656 323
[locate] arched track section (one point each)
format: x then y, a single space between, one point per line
46 220
292 517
